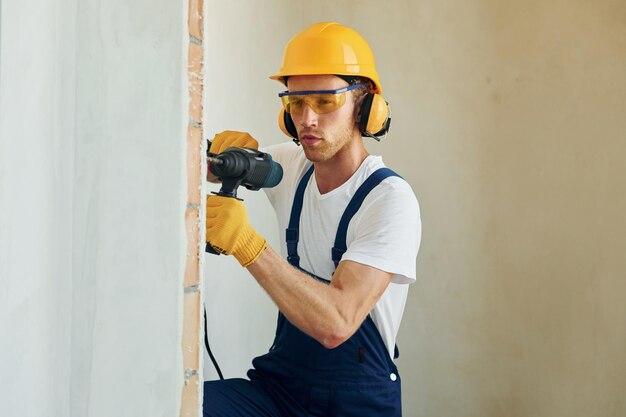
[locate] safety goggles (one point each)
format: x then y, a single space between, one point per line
320 101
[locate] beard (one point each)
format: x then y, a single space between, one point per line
331 144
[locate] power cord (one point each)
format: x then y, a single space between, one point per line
208 349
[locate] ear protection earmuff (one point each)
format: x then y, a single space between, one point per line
285 122
375 118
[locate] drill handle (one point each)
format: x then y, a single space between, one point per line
209 249
229 188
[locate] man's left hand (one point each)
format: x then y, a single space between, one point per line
229 232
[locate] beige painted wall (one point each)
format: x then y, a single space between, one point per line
509 121
516 113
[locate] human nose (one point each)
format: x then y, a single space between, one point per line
308 117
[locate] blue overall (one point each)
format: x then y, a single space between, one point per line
299 377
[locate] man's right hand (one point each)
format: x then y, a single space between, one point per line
230 138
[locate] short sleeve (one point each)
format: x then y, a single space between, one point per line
386 232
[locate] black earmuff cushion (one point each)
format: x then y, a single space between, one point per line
366 108
289 125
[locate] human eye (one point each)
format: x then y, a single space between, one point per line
324 101
295 104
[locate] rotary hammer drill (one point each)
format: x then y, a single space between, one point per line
243 166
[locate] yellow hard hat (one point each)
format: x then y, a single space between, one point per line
329 48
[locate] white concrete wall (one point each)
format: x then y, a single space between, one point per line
92 128
508 123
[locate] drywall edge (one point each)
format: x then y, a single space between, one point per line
191 401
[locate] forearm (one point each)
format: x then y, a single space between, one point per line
328 313
324 312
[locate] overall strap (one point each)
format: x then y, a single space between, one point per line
353 206
292 233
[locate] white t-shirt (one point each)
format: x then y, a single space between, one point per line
384 233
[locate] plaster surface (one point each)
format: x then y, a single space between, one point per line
92 123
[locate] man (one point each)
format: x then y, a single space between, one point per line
352 235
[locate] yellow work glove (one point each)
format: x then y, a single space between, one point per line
229 138
228 230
